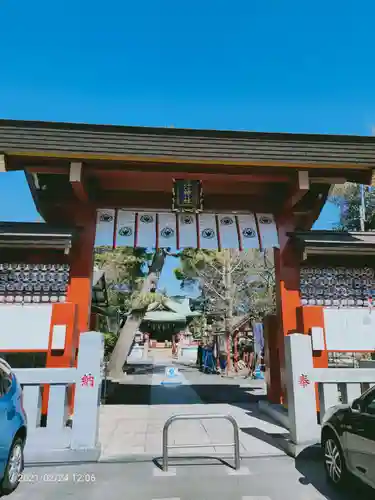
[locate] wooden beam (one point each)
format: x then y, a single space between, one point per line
150 161
301 187
163 201
46 169
327 180
224 177
120 173
153 183
77 182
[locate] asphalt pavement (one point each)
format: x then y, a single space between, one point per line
201 479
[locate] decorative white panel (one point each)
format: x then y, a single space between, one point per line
208 232
187 230
268 230
125 230
25 327
228 231
105 227
349 329
146 230
248 231
167 236
166 229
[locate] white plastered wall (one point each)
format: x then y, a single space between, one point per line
26 328
349 329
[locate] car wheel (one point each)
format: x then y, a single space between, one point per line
334 461
14 468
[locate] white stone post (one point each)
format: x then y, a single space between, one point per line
302 412
85 427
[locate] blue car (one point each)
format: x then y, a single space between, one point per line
13 430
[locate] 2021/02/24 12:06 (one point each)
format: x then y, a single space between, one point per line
57 478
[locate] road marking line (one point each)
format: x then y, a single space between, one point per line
160 473
243 471
174 498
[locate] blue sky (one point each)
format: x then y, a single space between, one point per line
266 65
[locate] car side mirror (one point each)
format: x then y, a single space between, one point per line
356 405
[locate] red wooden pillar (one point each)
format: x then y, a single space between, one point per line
272 358
287 272
81 259
81 267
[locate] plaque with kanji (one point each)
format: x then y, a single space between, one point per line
187 196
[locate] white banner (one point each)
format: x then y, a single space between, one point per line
146 230
125 230
268 231
105 224
207 232
248 231
187 230
228 231
167 236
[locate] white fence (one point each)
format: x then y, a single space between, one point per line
335 385
58 441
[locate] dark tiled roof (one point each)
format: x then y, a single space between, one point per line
329 238
37 228
34 234
335 243
183 144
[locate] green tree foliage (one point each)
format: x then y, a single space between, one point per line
142 271
110 339
125 270
243 281
348 198
198 326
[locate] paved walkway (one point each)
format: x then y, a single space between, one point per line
131 424
262 479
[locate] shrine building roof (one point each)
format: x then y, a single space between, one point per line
69 165
35 235
112 142
335 242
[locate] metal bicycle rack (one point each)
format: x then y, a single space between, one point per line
235 444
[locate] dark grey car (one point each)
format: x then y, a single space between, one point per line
348 440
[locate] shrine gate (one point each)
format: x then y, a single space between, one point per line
114 186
